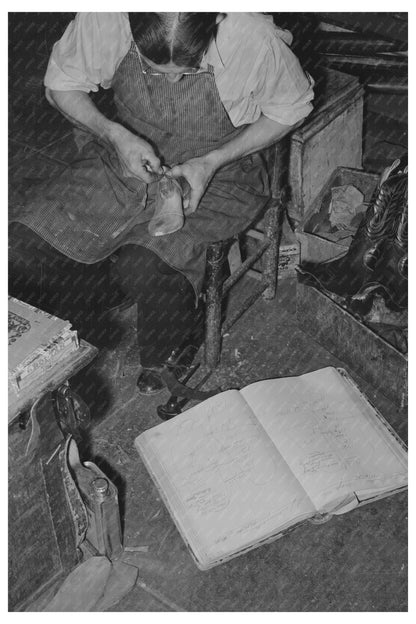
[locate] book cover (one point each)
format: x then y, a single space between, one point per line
30 331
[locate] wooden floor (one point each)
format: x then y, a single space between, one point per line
356 562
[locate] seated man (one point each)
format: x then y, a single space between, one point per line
198 95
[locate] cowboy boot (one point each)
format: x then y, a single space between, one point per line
345 276
168 215
389 279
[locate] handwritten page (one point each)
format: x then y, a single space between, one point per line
328 435
223 480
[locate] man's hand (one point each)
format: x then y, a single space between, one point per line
137 157
198 173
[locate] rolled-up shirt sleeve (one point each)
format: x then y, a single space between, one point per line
284 92
89 52
260 74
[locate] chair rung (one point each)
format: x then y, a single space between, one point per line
247 264
247 302
255 234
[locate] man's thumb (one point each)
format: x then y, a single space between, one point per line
192 202
175 172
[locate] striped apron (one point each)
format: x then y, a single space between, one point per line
91 209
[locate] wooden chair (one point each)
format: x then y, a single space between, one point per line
217 287
266 249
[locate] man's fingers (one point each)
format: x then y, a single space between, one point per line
141 172
146 176
192 188
157 171
152 163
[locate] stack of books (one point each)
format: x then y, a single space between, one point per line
37 342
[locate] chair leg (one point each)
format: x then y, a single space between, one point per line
215 260
271 255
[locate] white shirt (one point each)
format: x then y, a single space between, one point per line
255 71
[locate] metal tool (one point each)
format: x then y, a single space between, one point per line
181 393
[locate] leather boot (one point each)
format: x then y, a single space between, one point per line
168 216
345 276
389 279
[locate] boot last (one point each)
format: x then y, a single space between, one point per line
168 216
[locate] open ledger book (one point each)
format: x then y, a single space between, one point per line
244 466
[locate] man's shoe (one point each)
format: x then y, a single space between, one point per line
179 362
150 382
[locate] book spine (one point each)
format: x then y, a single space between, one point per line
48 353
44 352
45 360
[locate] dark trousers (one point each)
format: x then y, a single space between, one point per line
166 313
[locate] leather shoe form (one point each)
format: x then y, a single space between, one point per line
168 216
150 382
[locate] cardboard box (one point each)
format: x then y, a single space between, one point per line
330 137
315 247
363 351
288 260
289 252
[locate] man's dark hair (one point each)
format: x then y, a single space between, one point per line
180 38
